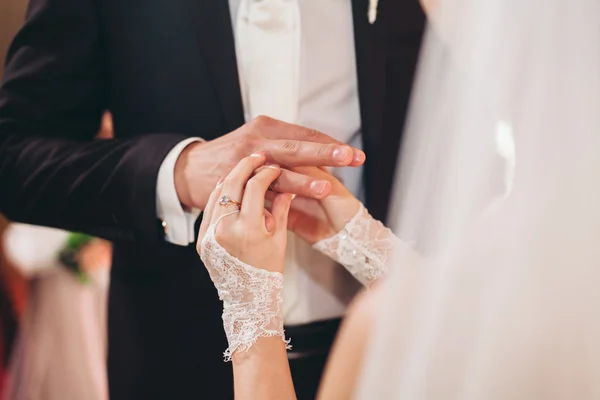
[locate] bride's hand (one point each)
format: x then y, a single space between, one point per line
315 220
253 235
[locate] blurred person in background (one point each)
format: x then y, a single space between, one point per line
10 288
12 13
61 347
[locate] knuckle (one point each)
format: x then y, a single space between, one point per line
246 142
292 146
313 135
262 120
325 150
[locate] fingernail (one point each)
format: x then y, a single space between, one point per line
220 182
273 166
293 196
359 156
258 154
318 187
340 154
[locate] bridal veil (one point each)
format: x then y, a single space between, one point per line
499 186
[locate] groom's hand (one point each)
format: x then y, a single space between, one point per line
201 165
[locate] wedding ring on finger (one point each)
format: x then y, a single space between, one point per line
225 201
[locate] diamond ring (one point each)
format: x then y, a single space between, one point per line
225 201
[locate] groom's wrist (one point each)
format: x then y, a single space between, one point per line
178 221
181 163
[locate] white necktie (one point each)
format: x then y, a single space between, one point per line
268 55
268 51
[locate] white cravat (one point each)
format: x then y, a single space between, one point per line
268 52
296 64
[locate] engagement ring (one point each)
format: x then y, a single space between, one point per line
225 201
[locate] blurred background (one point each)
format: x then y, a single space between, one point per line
12 13
53 288
12 285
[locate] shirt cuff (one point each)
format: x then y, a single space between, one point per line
177 223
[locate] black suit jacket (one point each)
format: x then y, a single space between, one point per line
166 69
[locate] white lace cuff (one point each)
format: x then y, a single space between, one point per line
252 298
363 247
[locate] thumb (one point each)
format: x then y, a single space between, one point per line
280 210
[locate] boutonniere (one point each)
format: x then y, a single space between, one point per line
69 255
373 11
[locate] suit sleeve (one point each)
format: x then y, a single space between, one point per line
52 172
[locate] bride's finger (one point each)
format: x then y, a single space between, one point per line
234 183
280 211
270 224
208 211
254 195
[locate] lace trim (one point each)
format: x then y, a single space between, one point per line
364 247
252 297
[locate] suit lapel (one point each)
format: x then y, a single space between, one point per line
371 74
386 56
212 20
370 60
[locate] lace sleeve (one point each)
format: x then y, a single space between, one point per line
363 247
252 297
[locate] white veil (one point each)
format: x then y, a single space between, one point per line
500 187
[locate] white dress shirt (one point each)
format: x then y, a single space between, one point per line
324 97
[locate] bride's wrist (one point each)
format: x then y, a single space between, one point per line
344 212
258 313
348 212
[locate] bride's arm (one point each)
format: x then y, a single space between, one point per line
341 228
347 356
243 249
364 246
263 372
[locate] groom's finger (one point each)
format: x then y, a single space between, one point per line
277 130
293 153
